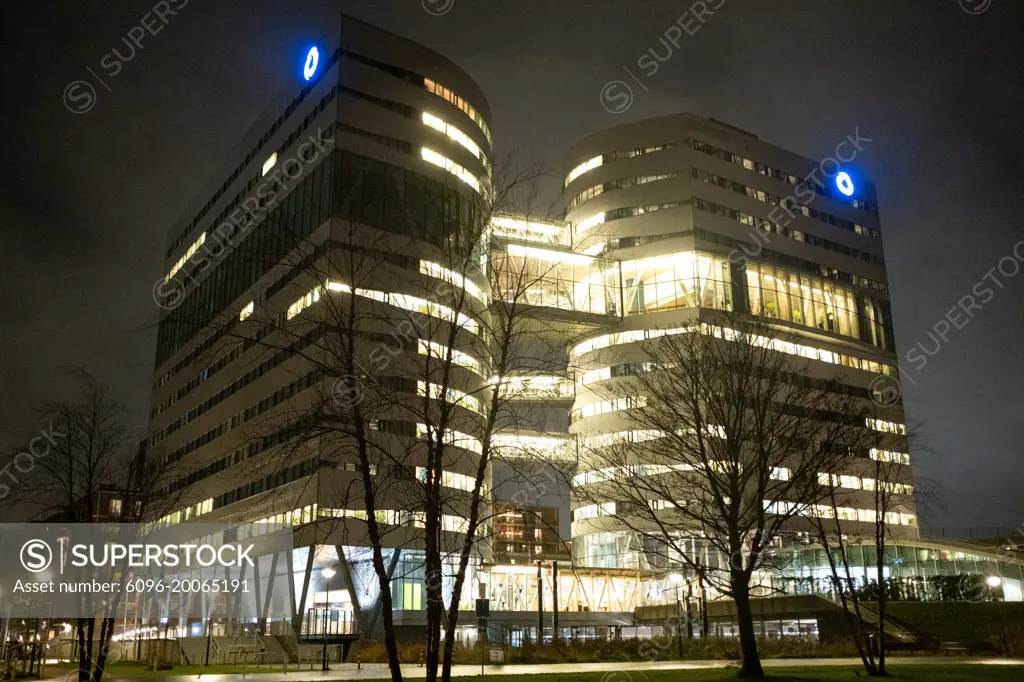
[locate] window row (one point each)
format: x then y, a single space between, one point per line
858 483
797 298
449 395
791 261
345 185
447 95
456 135
620 183
774 228
597 161
775 200
680 280
777 174
790 348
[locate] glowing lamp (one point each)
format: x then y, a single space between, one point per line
845 183
312 61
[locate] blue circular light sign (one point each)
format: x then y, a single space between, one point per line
845 183
312 61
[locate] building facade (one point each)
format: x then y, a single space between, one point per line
336 221
303 283
693 216
527 535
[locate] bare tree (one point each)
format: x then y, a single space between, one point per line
97 460
724 436
887 488
394 333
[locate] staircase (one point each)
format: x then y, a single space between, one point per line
275 651
193 650
902 634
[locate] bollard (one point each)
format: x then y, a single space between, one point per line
359 660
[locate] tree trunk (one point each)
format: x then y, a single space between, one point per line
882 596
390 643
434 583
85 632
106 635
448 657
435 607
373 530
750 667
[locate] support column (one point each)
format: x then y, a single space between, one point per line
346 576
554 603
540 602
300 611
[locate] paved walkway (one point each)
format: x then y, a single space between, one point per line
377 671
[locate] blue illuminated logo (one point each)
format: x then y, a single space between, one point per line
312 61
845 183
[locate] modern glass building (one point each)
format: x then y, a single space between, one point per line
328 228
668 204
340 195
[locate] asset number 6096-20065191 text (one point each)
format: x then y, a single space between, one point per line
186 585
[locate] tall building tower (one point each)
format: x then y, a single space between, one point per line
320 235
669 203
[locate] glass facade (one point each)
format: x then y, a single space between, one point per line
679 280
796 297
557 279
345 186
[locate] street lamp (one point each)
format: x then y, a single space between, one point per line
326 573
677 579
994 581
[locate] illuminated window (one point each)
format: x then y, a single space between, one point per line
453 438
436 350
450 395
579 170
631 436
534 386
421 305
454 524
247 310
455 279
188 254
808 301
589 223
809 352
455 134
592 511
404 301
607 406
510 445
444 93
679 280
269 163
889 456
430 156
412 596
557 279
621 183
528 230
449 479
886 426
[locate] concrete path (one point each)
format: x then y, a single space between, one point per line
377 671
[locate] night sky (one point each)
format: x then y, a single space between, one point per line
87 199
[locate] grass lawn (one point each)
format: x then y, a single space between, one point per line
953 672
922 673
